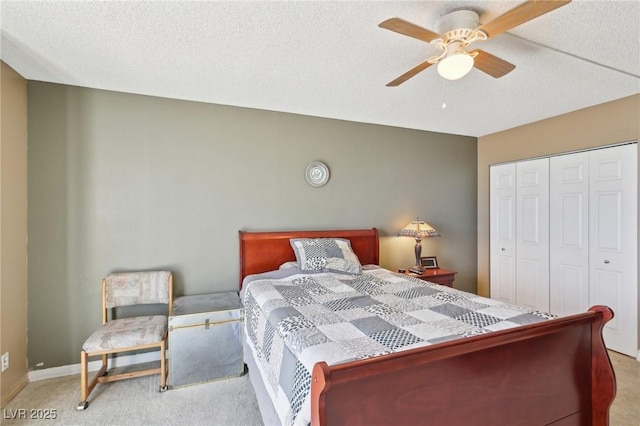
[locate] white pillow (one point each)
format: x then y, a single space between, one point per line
315 255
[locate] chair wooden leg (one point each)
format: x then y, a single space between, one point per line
163 367
84 371
84 388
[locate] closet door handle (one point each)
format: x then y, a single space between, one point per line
503 249
606 261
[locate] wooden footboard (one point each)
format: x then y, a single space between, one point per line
554 372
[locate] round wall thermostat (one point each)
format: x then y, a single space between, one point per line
317 173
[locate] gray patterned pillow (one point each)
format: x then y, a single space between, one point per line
325 255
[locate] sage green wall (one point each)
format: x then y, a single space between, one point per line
125 182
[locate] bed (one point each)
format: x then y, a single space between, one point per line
556 371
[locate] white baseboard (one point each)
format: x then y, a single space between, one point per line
68 370
122 361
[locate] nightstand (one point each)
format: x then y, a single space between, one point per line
205 338
439 276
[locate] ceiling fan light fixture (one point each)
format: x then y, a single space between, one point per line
455 66
458 30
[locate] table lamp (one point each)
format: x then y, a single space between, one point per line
418 229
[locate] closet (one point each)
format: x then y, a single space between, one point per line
563 236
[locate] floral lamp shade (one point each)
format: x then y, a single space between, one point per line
418 229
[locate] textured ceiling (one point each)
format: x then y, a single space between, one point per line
328 59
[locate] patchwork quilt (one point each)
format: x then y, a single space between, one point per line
293 322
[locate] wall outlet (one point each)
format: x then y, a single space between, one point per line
5 361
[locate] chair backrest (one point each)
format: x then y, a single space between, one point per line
137 288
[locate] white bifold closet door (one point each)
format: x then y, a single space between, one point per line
502 228
520 233
532 234
613 233
569 234
593 240
563 236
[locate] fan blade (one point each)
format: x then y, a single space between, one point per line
407 75
407 28
519 15
492 65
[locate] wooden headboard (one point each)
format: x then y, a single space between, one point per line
266 251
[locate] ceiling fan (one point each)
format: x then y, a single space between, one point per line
461 28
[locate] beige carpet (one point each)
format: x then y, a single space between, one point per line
227 402
625 410
137 402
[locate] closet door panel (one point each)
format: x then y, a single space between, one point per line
532 234
502 232
613 242
569 234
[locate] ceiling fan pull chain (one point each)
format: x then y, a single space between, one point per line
444 104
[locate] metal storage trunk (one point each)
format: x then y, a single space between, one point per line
205 338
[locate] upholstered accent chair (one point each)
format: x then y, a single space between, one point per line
128 334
